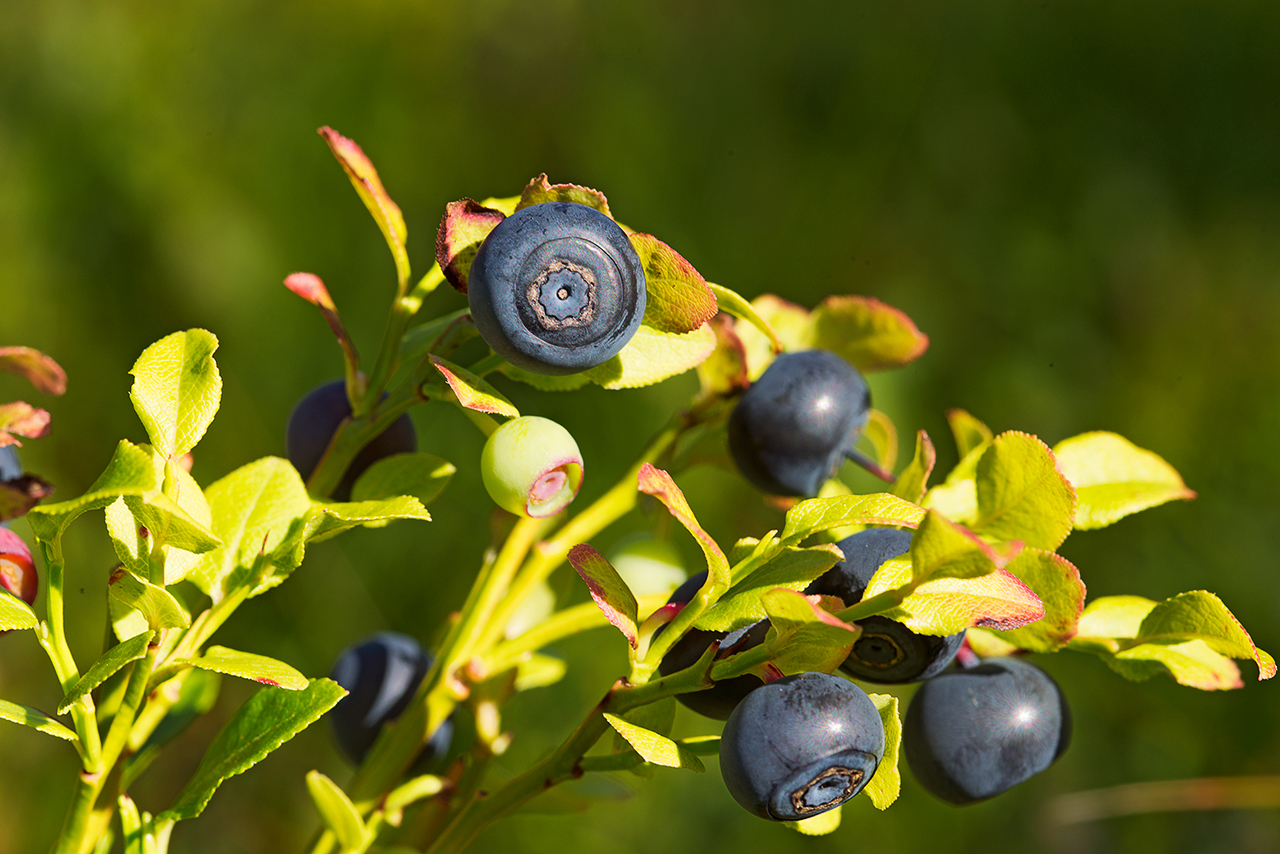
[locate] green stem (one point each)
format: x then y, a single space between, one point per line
402 311
53 638
560 625
72 836
877 604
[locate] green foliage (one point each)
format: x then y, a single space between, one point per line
679 299
247 665
14 613
35 719
422 476
791 568
337 812
177 389
607 588
267 720
1114 478
157 607
822 514
106 667
802 636
655 748
472 392
884 786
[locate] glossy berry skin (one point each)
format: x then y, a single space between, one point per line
800 746
790 430
381 675
531 466
317 417
886 652
720 701
556 288
17 571
972 734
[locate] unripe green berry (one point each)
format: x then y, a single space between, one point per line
532 467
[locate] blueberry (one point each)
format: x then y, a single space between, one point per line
317 417
792 428
556 288
720 701
381 676
972 734
10 465
800 746
531 466
886 651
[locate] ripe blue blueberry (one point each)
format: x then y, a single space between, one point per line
720 701
792 428
10 465
317 417
972 734
886 651
381 675
800 746
556 288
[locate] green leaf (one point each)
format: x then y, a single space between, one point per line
35 367
1113 617
197 692
652 356
248 665
536 670
364 178
884 785
1057 584
1201 616
957 497
803 637
421 475
818 825
733 303
267 720
914 480
542 382
14 613
944 605
1021 494
822 514
968 431
156 605
866 332
126 538
539 191
335 518
1114 478
607 588
658 717
129 472
790 325
412 791
473 392
1193 663
35 719
177 389
104 668
656 482
463 228
792 568
337 812
252 509
679 299
655 748
942 549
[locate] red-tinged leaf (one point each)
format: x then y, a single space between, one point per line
944 606
656 482
1200 615
942 548
37 368
541 190
473 392
1021 494
679 299
1057 582
19 495
312 289
968 431
608 590
463 228
871 335
725 371
364 178
914 480
21 419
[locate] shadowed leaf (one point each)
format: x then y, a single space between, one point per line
792 568
804 638
463 228
724 372
337 812
914 480
158 606
790 325
968 431
608 589
19 495
22 419
421 475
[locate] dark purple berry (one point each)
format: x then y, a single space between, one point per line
972 734
557 288
800 746
317 417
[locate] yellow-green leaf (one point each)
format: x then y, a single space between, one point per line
35 719
177 389
652 356
885 784
248 665
968 431
655 748
364 178
1021 494
868 333
1114 478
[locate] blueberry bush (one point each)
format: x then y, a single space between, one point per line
949 579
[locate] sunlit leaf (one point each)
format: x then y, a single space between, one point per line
104 668
158 606
364 178
14 613
968 431
463 228
1114 478
652 356
176 390
868 333
248 665
792 568
653 747
1021 494
804 638
886 783
540 191
656 482
679 299
35 367
822 514
474 392
337 812
35 719
1057 584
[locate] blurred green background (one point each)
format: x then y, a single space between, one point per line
1078 201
